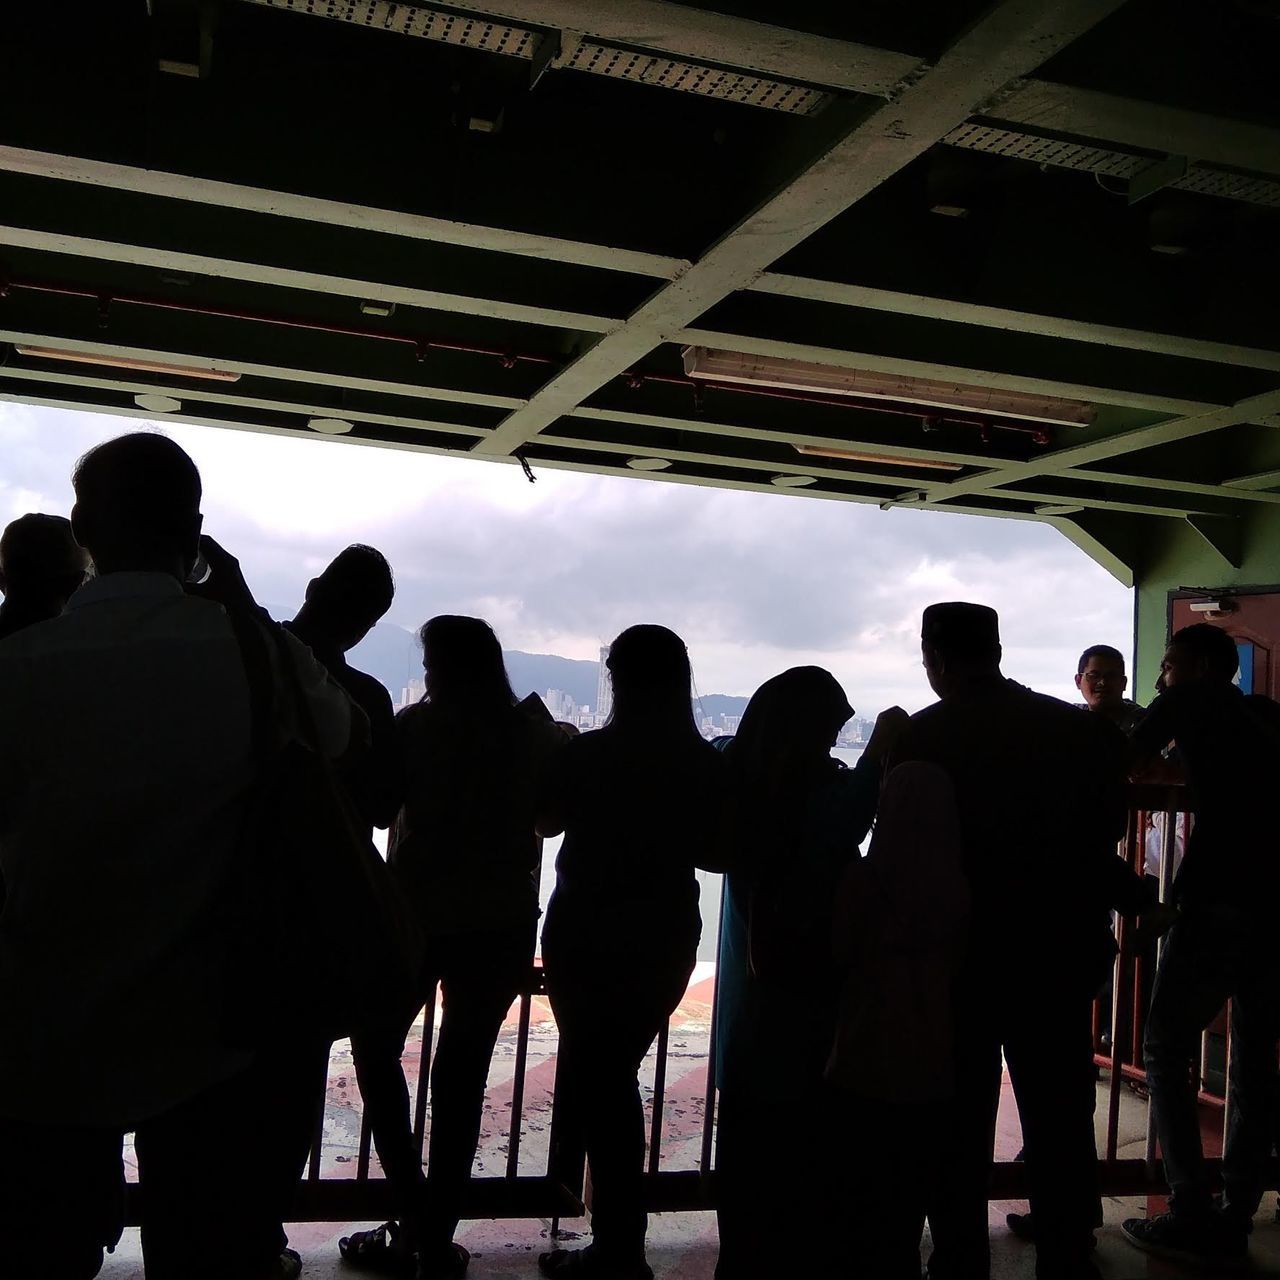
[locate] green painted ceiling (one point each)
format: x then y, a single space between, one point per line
493 228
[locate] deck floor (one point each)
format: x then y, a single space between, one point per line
684 1246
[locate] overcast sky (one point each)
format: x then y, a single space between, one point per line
753 582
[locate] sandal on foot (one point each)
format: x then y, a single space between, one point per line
378 1250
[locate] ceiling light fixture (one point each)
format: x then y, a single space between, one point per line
793 482
884 459
797 375
157 404
329 426
1052 510
648 464
126 362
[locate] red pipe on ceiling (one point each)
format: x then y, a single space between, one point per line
928 417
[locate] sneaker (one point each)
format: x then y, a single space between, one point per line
1197 1241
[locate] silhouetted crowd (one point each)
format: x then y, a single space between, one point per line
188 794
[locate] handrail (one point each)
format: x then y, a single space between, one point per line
559 1189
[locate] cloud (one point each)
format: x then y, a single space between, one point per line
754 582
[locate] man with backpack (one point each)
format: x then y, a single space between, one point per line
127 771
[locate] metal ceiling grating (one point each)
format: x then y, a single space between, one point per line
692 77
472 32
1065 153
428 24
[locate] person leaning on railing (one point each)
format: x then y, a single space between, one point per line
1221 946
639 804
464 852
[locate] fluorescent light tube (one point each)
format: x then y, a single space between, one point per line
127 362
797 375
887 459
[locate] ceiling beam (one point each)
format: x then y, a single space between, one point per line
929 308
684 31
138 255
880 479
782 53
335 213
1259 480
1012 38
1248 410
1102 504
190 396
206 394
252 368
843 359
1225 534
704 426
1147 126
1165 485
1095 548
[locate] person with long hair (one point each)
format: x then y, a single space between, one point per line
793 823
464 851
638 802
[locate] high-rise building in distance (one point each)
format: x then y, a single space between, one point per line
604 690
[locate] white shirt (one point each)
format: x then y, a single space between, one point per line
125 766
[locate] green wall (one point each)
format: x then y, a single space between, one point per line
1177 556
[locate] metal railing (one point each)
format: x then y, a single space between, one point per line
561 1188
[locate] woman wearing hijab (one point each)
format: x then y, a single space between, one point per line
901 920
794 820
638 802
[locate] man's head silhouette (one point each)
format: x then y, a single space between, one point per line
345 602
1199 654
138 506
960 644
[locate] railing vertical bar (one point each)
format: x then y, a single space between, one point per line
1134 831
317 1132
366 1146
517 1085
1172 820
1227 1107
659 1091
424 1071
709 1110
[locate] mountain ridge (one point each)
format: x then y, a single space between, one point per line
390 654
